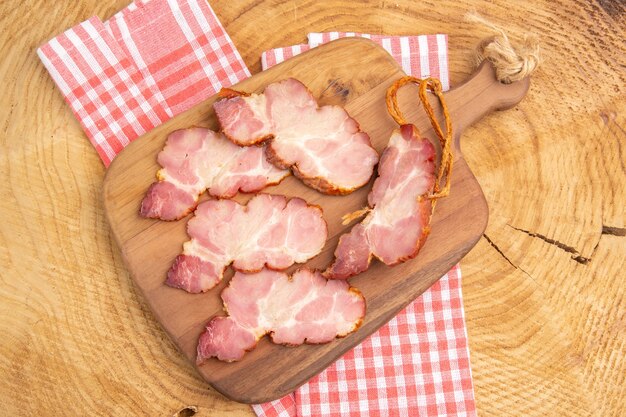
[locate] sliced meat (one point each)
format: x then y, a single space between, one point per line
199 159
270 231
397 225
224 339
303 308
324 146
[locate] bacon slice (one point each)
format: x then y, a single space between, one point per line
323 145
199 159
270 231
303 308
398 223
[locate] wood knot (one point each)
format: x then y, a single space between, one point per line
337 91
188 411
608 116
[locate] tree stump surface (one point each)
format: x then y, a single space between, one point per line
544 289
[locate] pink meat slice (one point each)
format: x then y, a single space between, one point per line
324 146
198 159
398 223
303 308
269 231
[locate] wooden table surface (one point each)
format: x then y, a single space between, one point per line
544 289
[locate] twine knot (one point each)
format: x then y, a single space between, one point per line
511 64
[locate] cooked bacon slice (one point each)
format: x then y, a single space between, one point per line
303 308
199 159
323 145
270 231
397 225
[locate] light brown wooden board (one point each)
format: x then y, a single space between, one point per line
354 73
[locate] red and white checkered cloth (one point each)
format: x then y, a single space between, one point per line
418 363
157 58
422 55
148 63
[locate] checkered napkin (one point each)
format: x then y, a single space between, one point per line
418 363
157 58
149 62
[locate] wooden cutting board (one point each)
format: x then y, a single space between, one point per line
354 73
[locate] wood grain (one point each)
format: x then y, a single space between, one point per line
544 301
366 72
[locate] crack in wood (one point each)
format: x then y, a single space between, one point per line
612 8
330 84
493 245
613 231
576 256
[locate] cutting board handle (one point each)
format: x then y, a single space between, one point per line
478 96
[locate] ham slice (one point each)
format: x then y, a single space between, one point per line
399 213
303 308
269 231
198 159
323 146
